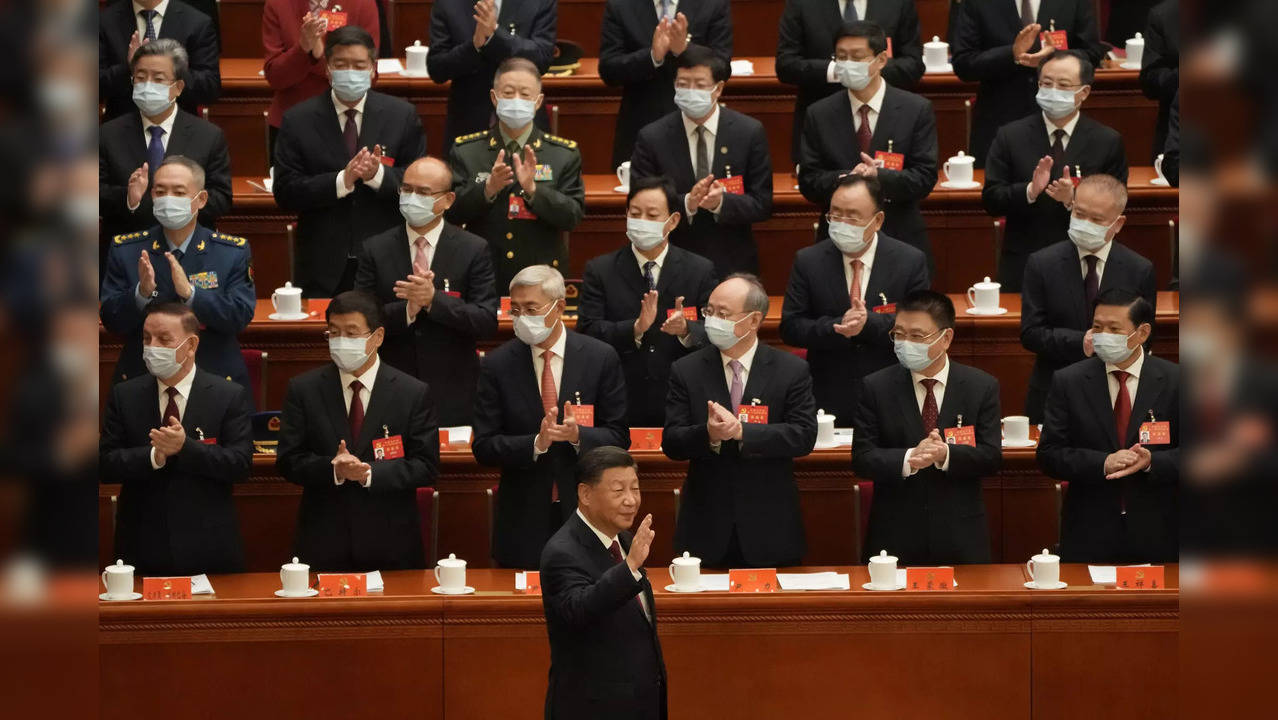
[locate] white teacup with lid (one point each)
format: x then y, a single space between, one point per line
959 170
883 571
1044 570
936 55
295 577
415 58
983 296
118 580
287 302
685 571
450 573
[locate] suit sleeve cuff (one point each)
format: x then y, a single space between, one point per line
137 297
341 186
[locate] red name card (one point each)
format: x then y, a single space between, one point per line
443 439
166 588
585 415
929 578
532 583
690 313
753 581
645 438
342 584
504 308
733 185
1139 578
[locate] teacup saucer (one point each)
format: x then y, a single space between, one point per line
1160 182
108 597
414 73
441 590
970 185
879 588
1129 65
289 316
1035 586
675 588
623 189
937 69
1019 443
309 592
983 311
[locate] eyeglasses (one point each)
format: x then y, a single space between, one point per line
516 311
899 335
330 334
831 217
1053 85
721 313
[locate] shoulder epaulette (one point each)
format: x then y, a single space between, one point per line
570 144
229 239
472 136
130 237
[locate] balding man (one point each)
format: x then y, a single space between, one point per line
436 282
740 411
1062 282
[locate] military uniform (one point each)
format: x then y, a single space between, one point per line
519 232
219 268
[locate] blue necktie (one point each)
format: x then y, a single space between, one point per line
155 150
647 274
149 15
665 10
849 12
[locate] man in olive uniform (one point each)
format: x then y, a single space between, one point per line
517 187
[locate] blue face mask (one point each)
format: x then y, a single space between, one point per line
693 102
418 210
1056 104
351 85
914 355
515 113
151 98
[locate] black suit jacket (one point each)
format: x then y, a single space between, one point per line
805 47
507 418
611 293
180 519
816 298
1093 148
742 149
309 154
349 527
439 346
1078 433
122 149
1160 65
524 29
748 485
829 149
981 35
192 28
625 59
605 656
931 517
1054 310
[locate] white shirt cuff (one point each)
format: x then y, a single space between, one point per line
155 464
132 208
190 299
1029 193
655 61
829 73
138 298
341 186
945 466
368 478
636 575
410 315
906 470
376 182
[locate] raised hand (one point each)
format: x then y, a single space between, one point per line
676 324
647 313
853 321
418 290
526 171
868 167
485 22
135 42
641 544
138 181
713 198
1062 189
146 275
679 34
1025 40
661 40
1088 348
699 192
310 37
181 285
371 164
355 168
1042 176
548 424
499 177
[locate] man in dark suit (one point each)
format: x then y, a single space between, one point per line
841 299
997 44
809 29
1062 282
637 299
740 411
523 384
722 192
605 656
435 281
639 41
1029 178
1121 504
928 431
131 147
339 159
180 261
1160 65
468 40
360 437
124 26
176 439
845 132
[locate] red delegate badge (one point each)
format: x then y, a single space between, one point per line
962 435
890 160
1059 38
689 314
757 414
335 19
518 210
733 185
1155 433
388 447
585 414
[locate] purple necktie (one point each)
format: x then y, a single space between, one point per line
737 387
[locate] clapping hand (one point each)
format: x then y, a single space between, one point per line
167 440
347 466
499 177
1062 189
641 544
647 313
853 321
676 324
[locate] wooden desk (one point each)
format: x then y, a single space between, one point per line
991 648
961 232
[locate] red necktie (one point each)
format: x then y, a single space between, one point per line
421 263
171 410
863 134
855 291
615 549
356 416
929 405
1122 407
549 401
351 133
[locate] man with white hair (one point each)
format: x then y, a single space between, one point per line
543 399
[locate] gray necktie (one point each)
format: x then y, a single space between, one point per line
849 12
703 154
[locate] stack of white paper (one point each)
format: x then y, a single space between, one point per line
373 581
714 583
1107 574
200 585
458 435
521 581
742 67
389 66
813 581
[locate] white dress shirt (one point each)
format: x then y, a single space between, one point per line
607 543
712 131
1051 132
365 394
1034 5
160 11
1102 256
875 103
341 109
1133 382
556 371
920 393
166 123
432 242
184 393
867 259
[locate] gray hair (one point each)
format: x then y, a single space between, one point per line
168 47
543 276
756 297
197 172
1107 184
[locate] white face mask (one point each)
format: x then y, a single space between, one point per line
1087 235
418 210
152 98
645 234
173 212
162 362
1111 347
852 74
349 354
722 333
515 113
848 238
1056 104
915 356
532 329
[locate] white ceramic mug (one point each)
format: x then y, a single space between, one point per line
287 300
118 579
415 57
295 577
1044 569
984 295
623 174
883 570
1158 168
1135 48
686 573
936 53
825 427
450 573
958 169
1016 428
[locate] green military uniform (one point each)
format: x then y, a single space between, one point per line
520 232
